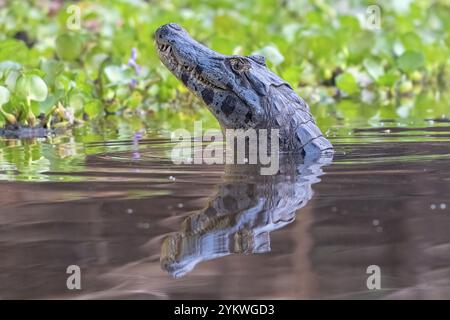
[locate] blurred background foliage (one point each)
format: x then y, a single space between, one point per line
53 72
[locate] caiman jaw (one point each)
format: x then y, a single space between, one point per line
169 59
207 74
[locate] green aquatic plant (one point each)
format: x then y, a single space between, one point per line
103 61
25 99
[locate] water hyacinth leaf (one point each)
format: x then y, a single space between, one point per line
114 73
4 98
35 107
11 79
411 41
134 100
7 66
14 48
51 68
121 93
93 108
373 68
292 74
35 71
410 61
62 82
82 82
69 46
118 75
347 83
113 107
76 101
94 58
389 78
271 53
4 95
32 87
52 99
350 24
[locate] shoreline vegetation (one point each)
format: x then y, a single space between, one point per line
62 64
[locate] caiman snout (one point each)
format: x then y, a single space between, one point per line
165 32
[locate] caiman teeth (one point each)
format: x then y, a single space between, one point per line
166 51
164 48
188 68
202 79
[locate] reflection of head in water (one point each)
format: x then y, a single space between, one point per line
240 217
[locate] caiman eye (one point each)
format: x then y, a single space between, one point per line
239 65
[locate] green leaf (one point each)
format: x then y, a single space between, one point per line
93 108
134 100
347 83
373 68
118 75
272 54
35 108
52 69
31 87
69 46
7 66
63 83
389 78
76 100
11 79
410 61
4 95
14 48
114 73
411 41
46 105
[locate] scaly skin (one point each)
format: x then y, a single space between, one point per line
241 92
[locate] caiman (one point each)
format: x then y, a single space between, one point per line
240 91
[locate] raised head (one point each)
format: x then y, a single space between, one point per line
231 86
240 91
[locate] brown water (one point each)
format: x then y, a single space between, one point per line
141 227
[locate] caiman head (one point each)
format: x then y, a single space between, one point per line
240 91
231 86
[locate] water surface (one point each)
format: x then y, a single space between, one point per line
141 227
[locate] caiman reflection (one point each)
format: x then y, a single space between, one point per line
245 209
